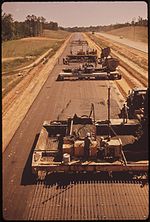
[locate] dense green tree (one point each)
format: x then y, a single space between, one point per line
7 27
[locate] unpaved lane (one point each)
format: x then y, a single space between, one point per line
134 44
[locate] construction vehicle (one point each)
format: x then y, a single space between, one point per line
136 101
79 42
85 68
105 52
107 61
89 76
80 57
62 146
107 71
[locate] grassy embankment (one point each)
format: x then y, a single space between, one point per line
23 52
136 33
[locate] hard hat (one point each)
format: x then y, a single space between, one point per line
88 134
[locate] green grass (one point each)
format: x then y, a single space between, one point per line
29 47
60 34
32 47
17 63
35 50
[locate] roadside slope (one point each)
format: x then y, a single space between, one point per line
12 119
136 33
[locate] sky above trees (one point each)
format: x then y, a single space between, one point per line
69 14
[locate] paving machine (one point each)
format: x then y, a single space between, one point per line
82 55
105 52
137 101
106 71
91 67
78 42
80 58
82 144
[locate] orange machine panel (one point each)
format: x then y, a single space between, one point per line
67 148
79 148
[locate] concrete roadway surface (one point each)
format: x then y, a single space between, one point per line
26 199
134 44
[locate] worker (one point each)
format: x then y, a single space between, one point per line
67 61
141 101
101 141
87 143
60 145
125 113
95 63
86 65
102 148
80 67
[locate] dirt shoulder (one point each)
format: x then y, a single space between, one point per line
32 85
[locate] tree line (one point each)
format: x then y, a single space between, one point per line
140 22
31 27
34 26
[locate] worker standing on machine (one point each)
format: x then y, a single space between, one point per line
102 148
87 143
80 67
125 113
60 145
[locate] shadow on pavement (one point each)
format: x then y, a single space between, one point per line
27 177
67 180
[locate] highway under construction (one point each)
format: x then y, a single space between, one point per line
48 174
